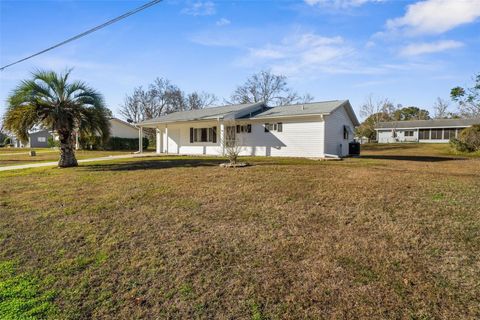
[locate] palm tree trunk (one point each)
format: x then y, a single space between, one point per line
67 151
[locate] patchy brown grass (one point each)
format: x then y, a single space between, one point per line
179 237
16 157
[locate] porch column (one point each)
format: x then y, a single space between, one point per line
222 137
166 139
159 141
140 140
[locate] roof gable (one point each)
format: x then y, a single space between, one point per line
306 109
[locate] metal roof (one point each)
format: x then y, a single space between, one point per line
255 111
302 109
435 123
205 114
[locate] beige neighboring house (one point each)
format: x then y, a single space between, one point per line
122 129
119 129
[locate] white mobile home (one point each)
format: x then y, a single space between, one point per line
431 131
319 129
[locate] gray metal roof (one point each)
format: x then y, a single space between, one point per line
323 107
314 108
255 111
435 123
230 111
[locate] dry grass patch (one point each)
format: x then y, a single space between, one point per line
179 237
46 155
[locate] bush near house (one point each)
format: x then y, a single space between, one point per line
7 141
468 140
52 143
113 143
116 143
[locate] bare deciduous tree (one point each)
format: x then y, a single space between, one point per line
440 108
269 88
196 100
232 143
162 97
374 111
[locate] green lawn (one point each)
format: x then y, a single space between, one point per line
394 234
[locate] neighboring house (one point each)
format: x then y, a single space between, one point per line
36 139
118 129
319 129
438 130
122 129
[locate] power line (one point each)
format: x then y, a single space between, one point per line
83 34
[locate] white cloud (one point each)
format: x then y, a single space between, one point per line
415 49
435 16
200 8
339 3
223 22
302 53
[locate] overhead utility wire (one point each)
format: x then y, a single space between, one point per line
83 34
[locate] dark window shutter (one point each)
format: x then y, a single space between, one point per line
214 134
279 127
191 135
266 127
238 128
249 128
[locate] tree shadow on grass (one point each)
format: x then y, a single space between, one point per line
155 164
410 158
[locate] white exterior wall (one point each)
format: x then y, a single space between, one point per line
122 130
299 138
334 142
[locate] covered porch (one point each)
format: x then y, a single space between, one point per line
188 137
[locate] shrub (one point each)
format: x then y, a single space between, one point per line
52 143
90 142
7 141
113 143
458 145
468 140
116 143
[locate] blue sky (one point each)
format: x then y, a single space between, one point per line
408 51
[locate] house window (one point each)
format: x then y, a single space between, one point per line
273 127
437 134
245 128
448 134
203 135
41 139
408 133
345 133
424 134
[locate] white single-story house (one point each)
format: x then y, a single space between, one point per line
319 129
437 130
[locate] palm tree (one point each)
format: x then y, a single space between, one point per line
50 101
